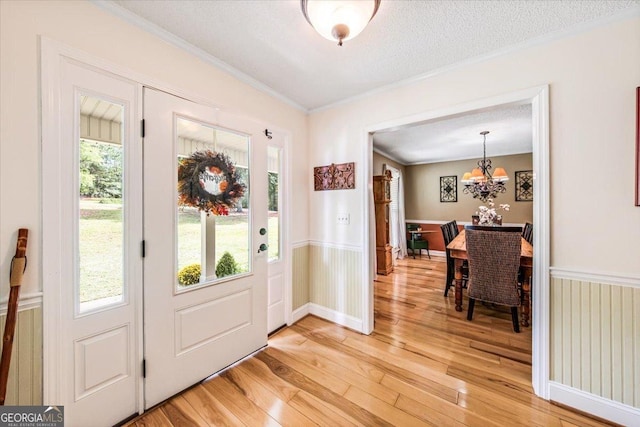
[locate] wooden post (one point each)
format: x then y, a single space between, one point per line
458 281
18 266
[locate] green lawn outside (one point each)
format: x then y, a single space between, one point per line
101 244
100 250
231 235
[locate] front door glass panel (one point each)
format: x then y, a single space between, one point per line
274 176
215 246
101 198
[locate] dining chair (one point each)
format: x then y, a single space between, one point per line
509 228
527 232
494 262
416 241
449 232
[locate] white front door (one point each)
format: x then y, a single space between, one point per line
205 276
277 244
92 235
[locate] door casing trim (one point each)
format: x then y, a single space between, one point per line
52 53
538 97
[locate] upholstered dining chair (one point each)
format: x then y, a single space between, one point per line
494 262
449 232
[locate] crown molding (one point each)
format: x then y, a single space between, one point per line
389 156
541 40
184 45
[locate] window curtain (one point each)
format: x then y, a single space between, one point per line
397 227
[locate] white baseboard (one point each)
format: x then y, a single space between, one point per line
590 403
431 252
336 317
299 313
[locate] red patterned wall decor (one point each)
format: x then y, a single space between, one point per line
335 177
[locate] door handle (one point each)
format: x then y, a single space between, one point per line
263 231
263 247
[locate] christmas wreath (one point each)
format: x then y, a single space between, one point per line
208 181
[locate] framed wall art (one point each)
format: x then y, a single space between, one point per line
638 146
448 189
524 186
335 177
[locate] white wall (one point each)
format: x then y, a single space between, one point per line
592 78
85 26
594 225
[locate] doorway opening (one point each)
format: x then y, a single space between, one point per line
537 100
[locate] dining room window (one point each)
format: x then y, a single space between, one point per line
396 214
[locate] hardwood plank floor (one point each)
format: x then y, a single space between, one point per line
424 365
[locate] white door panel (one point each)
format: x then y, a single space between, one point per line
193 331
100 278
277 220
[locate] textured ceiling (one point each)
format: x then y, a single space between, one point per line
270 45
271 42
457 138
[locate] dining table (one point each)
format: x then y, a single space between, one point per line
458 251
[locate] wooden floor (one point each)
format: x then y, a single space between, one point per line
425 364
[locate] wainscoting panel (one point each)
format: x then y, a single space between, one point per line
25 373
595 338
300 277
335 279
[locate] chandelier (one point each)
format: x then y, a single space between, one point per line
480 183
339 20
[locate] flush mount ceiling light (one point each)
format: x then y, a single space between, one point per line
339 20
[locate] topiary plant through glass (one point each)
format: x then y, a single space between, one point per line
227 265
189 275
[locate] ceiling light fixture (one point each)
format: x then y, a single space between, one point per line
339 20
479 182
